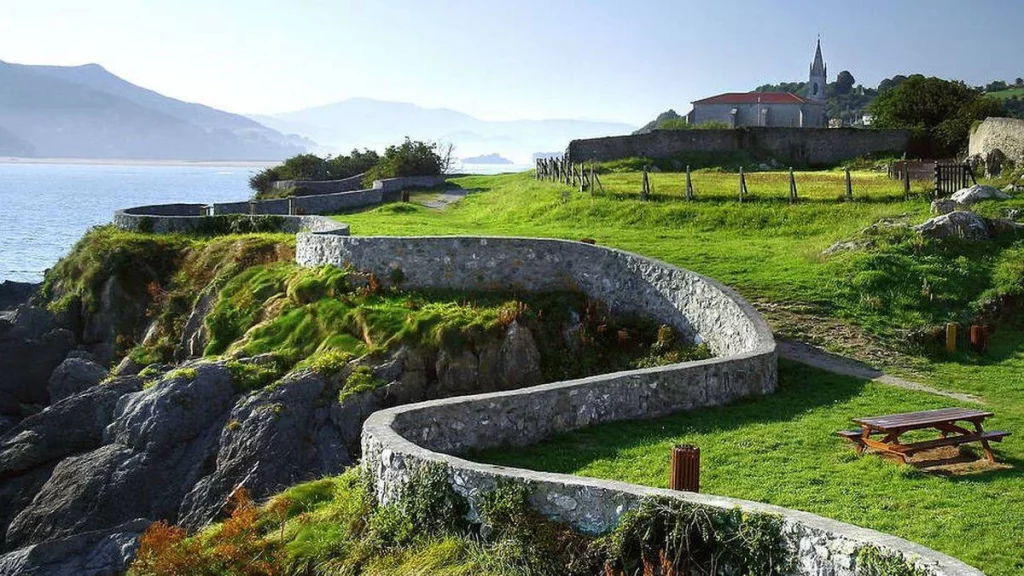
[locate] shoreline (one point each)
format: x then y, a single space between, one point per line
139 162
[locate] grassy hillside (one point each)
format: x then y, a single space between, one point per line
886 296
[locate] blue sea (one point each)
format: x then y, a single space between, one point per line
45 208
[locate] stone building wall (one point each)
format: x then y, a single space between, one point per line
799 146
1006 134
786 115
399 440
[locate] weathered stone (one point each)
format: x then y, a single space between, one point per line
71 425
72 376
26 364
456 372
177 409
275 438
965 225
519 363
13 294
994 161
127 367
193 337
968 196
97 553
943 206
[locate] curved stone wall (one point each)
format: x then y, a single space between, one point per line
190 218
400 439
296 214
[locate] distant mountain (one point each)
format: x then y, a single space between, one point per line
487 159
87 112
364 122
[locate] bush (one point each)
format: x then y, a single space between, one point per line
412 158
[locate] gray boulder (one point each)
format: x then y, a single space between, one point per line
72 376
965 225
943 206
105 552
994 161
14 293
75 424
275 438
457 373
519 361
118 312
26 363
968 196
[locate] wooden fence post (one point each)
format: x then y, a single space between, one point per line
590 185
938 180
743 185
792 186
950 338
849 187
291 206
689 184
252 208
684 472
645 189
906 183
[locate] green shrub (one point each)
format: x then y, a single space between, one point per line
360 380
871 561
411 158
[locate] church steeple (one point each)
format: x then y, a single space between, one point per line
818 77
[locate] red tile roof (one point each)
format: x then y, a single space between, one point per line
753 98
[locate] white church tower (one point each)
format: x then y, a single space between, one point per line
818 78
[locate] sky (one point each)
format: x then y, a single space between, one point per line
502 60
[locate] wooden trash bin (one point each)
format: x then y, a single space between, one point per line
685 468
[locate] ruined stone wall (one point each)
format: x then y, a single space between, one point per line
799 146
1006 134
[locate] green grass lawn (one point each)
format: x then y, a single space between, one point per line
782 449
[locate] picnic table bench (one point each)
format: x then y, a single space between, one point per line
945 421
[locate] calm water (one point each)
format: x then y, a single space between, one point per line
45 208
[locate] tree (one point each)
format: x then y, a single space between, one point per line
844 82
355 163
412 158
890 83
940 112
1018 82
996 86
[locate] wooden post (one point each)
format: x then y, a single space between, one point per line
252 207
591 183
950 337
938 180
597 180
849 187
291 206
743 185
689 184
792 186
684 472
906 183
979 338
645 187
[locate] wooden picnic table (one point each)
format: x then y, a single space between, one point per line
946 421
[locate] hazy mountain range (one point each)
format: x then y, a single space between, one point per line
364 122
87 112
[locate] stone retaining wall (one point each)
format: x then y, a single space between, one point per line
800 146
400 439
186 218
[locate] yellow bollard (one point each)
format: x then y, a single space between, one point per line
950 338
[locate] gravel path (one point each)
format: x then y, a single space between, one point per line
814 356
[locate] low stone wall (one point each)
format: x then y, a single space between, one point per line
401 439
297 213
801 146
1006 134
322 186
188 221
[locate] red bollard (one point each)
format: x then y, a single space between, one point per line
979 338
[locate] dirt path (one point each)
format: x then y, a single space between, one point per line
445 199
814 356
